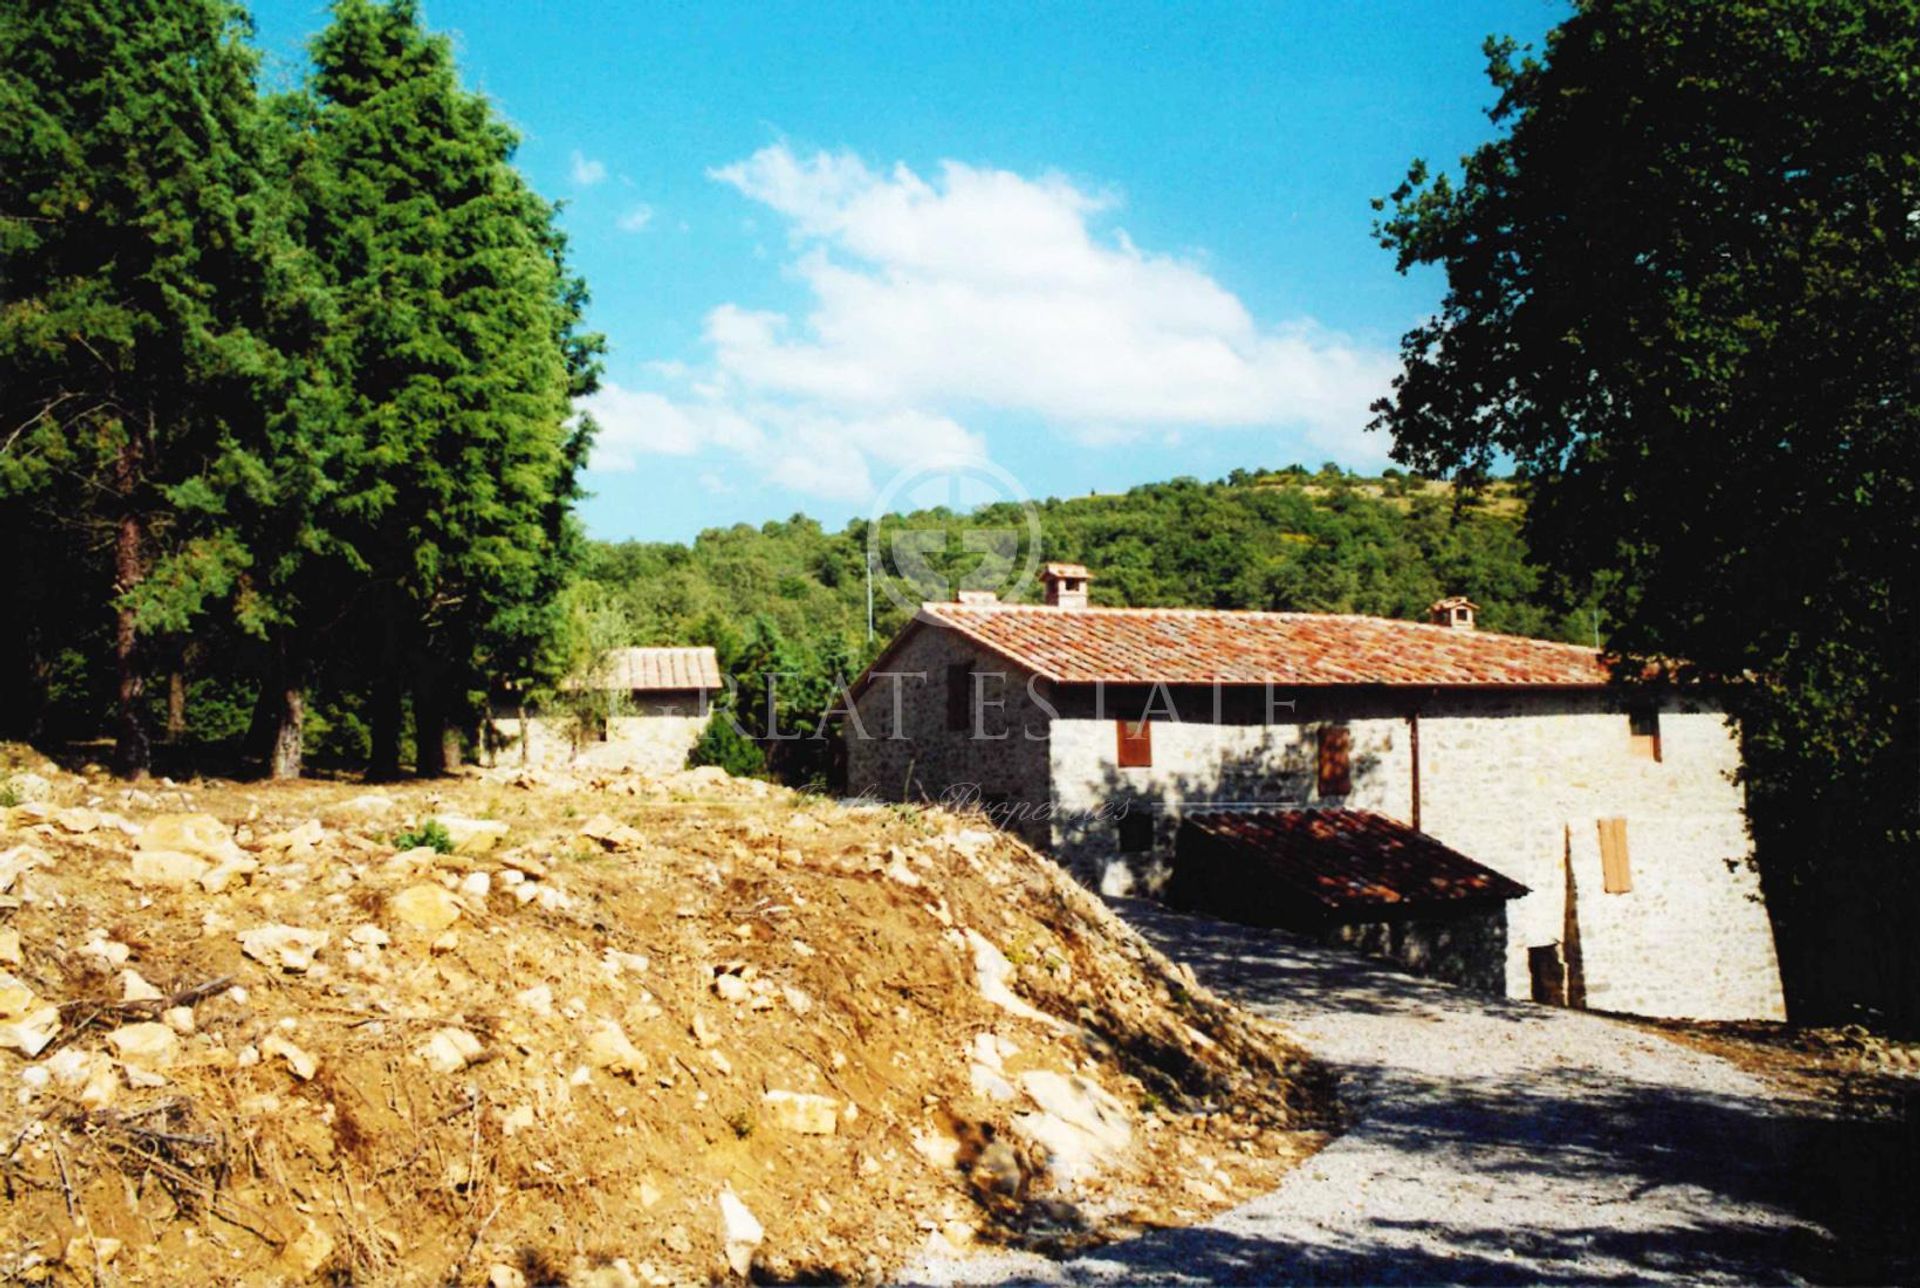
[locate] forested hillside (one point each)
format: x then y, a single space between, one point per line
792 597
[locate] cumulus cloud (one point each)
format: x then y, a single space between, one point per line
638 422
586 171
989 288
811 449
636 219
973 291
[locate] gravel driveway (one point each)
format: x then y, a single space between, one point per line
1492 1142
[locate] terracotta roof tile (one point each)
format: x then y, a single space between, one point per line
1331 861
1202 646
653 669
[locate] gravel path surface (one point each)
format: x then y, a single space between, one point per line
1492 1142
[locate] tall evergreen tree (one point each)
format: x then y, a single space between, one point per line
132 282
461 334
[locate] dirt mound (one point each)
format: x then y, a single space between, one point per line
591 1030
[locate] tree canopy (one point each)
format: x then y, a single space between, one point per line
1682 299
286 381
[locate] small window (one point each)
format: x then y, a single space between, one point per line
1136 743
1136 829
959 696
1643 731
1336 761
1616 874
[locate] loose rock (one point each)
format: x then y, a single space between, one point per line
288 948
300 1062
799 1111
450 1049
742 1231
425 907
167 869
149 1045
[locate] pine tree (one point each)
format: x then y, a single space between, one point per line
130 357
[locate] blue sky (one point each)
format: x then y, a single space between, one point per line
840 249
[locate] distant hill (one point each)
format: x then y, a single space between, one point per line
1290 540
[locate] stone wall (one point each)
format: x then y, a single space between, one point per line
1222 753
1001 763
1468 948
1520 784
654 736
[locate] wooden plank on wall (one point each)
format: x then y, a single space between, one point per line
1616 873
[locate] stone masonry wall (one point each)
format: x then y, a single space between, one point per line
654 738
1239 761
1513 782
918 758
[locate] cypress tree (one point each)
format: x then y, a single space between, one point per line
461 332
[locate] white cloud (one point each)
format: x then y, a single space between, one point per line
638 422
636 219
587 172
987 288
977 290
807 448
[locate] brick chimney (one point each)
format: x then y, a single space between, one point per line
1455 611
1066 585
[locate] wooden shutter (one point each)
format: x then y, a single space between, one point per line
1616 875
1643 732
1136 743
1336 760
959 696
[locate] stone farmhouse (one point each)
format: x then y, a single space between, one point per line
660 701
1496 794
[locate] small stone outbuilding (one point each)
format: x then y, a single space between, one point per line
1094 732
1350 877
657 704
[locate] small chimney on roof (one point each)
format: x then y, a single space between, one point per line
1066 585
1455 610
975 597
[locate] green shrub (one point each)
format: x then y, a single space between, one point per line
431 834
723 745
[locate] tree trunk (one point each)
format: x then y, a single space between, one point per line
290 683
384 713
256 745
429 727
176 705
132 756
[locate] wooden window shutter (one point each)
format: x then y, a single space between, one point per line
1616 875
959 696
1136 743
1643 732
1336 760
